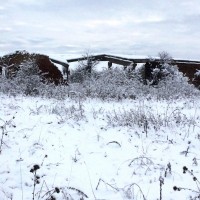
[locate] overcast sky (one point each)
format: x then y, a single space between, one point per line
134 27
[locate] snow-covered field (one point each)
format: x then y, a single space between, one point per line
90 149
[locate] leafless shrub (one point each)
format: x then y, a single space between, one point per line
133 190
4 131
145 118
64 112
195 179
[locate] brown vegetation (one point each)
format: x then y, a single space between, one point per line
189 70
13 61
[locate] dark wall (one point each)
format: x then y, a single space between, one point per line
51 72
189 70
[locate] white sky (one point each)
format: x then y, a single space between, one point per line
134 27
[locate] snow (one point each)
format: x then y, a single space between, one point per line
79 143
197 73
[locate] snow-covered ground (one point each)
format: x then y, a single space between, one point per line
100 150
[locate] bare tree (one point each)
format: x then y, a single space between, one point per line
88 62
6 65
165 57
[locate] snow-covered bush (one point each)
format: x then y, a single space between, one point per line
85 68
108 84
165 81
119 84
26 80
196 79
154 70
116 84
79 75
174 85
197 73
144 116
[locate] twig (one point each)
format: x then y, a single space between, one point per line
90 181
77 190
182 188
21 177
139 189
168 169
161 179
106 184
142 162
114 142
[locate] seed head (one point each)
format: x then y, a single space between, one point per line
36 167
175 188
57 190
185 169
52 198
32 170
194 178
